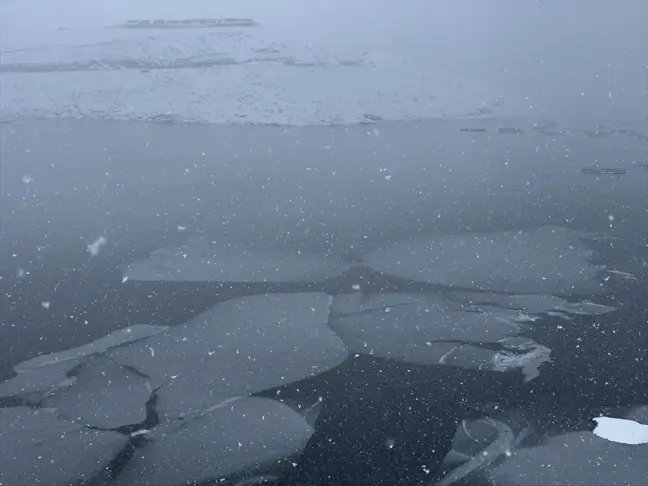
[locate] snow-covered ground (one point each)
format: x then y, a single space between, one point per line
323 61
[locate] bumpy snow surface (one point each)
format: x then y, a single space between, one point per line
327 61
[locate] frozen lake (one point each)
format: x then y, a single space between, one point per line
322 243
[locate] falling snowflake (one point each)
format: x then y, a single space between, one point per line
95 246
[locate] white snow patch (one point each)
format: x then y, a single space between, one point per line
622 431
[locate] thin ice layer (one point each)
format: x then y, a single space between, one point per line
408 327
38 448
574 458
50 371
547 260
115 338
245 435
238 347
104 394
204 260
30 384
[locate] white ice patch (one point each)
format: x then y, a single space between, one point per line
38 448
407 327
545 260
621 430
238 347
103 395
245 436
574 458
201 259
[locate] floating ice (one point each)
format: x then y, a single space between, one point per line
38 448
115 338
238 347
408 327
548 260
104 394
574 458
201 259
49 372
621 430
525 354
247 435
95 247
29 385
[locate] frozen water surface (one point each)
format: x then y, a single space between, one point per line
243 436
38 448
201 259
411 327
115 338
574 458
238 347
31 384
546 260
104 394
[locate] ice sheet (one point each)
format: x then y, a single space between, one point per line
201 259
407 327
245 435
574 458
546 260
115 338
238 347
104 394
38 448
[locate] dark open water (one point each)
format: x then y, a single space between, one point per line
337 191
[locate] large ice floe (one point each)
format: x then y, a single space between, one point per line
247 435
44 374
546 260
574 458
238 347
36 447
202 259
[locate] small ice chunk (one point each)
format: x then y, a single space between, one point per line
412 327
238 347
203 260
528 358
104 394
622 431
574 458
38 448
244 436
585 308
115 338
544 260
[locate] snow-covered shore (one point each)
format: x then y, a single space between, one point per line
328 61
